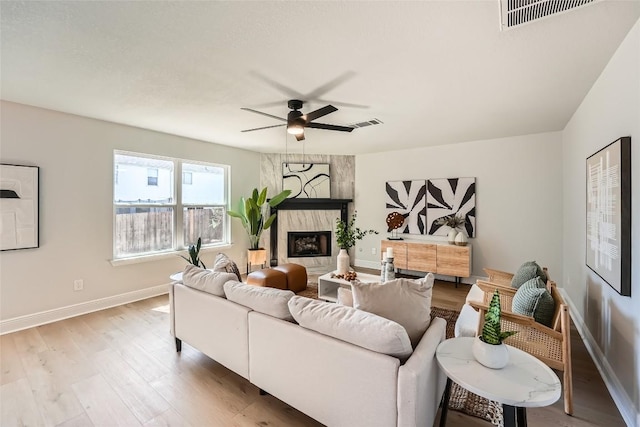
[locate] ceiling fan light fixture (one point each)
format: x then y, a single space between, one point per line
295 129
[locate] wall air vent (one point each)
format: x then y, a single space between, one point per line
367 123
514 13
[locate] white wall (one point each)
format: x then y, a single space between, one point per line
611 322
518 197
75 156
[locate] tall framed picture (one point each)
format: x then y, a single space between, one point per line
451 196
19 207
609 214
407 199
307 180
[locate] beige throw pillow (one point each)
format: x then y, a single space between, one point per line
405 301
206 280
345 297
269 301
357 327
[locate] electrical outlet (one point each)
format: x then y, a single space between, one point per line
78 285
373 251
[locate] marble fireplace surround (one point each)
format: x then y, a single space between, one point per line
341 205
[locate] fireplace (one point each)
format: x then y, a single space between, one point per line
308 244
340 205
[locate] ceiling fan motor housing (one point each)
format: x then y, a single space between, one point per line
295 104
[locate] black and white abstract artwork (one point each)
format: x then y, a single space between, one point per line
609 214
408 198
307 180
18 207
451 196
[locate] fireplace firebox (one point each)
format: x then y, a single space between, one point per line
308 244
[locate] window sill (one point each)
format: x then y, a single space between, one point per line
164 255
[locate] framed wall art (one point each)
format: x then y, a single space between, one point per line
408 199
307 180
19 207
608 246
451 196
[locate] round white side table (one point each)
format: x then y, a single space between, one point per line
524 383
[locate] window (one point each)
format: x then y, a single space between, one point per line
181 201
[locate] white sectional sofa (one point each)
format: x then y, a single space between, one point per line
332 381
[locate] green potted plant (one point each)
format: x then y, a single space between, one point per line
346 236
252 212
194 254
489 348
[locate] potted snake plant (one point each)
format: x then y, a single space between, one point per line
489 348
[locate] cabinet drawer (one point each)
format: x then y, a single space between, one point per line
421 257
454 260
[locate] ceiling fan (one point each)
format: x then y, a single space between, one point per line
296 121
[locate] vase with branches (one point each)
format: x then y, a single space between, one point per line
347 234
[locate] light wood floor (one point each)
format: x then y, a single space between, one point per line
119 367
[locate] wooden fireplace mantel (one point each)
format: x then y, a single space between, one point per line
304 204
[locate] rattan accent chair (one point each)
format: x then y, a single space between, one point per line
551 345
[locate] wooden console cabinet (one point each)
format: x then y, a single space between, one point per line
435 257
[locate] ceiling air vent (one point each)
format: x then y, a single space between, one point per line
367 123
518 12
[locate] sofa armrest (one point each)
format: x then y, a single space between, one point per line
421 382
172 311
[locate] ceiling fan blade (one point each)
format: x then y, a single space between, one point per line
300 137
264 114
329 127
321 90
342 104
282 88
319 113
264 127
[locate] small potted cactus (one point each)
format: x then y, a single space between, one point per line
488 348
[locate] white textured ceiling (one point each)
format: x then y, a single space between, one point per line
435 72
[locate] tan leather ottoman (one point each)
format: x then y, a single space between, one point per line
268 277
296 276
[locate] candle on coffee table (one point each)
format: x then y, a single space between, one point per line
389 252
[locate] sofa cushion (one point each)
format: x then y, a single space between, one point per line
467 322
348 324
264 300
407 302
206 280
224 263
527 271
534 300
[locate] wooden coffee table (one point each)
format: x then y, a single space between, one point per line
328 286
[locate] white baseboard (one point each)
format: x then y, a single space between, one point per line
629 412
30 320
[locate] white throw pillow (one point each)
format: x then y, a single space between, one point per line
357 327
206 280
405 301
264 300
345 297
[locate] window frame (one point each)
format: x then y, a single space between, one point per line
178 243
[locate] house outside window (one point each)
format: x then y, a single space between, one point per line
152 176
187 178
166 213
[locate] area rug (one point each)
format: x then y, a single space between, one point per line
461 400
